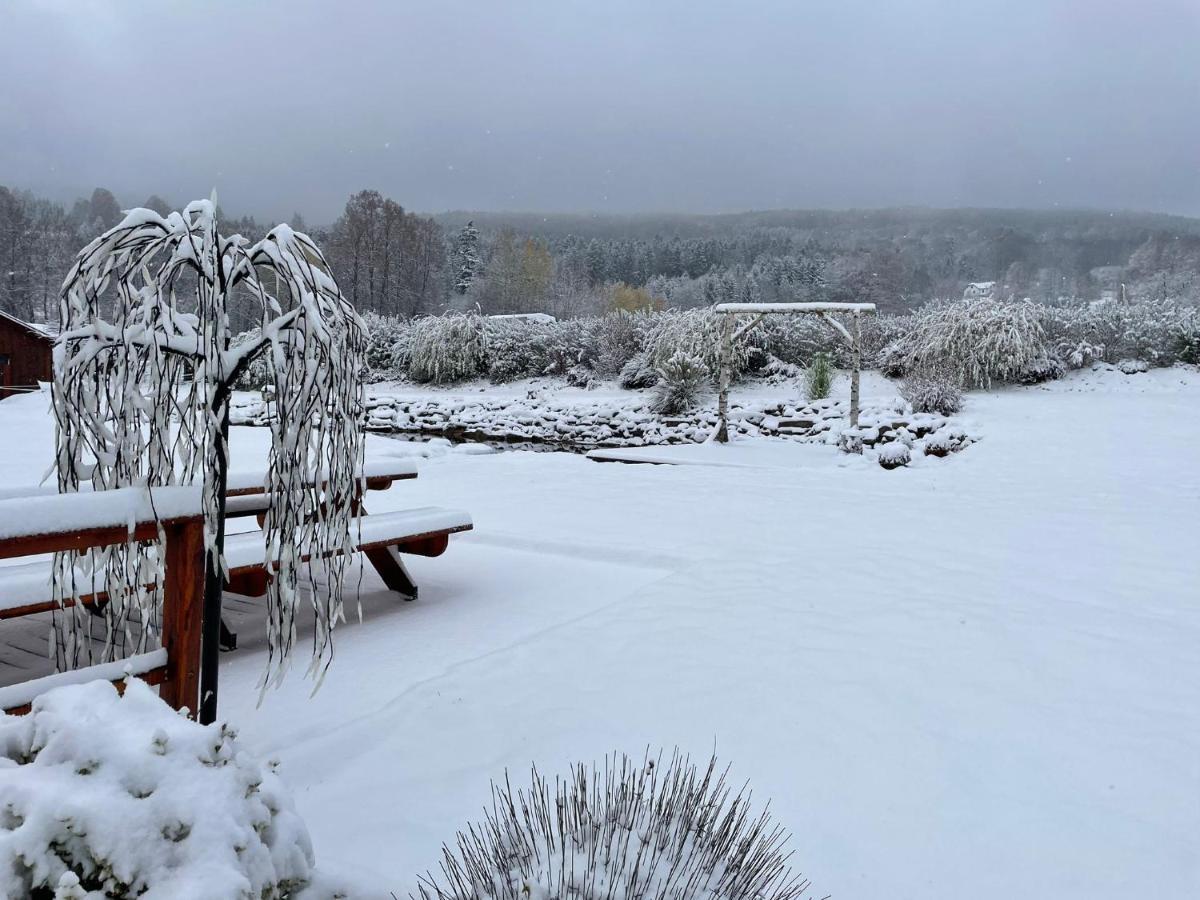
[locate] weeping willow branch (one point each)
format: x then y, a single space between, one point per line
144 370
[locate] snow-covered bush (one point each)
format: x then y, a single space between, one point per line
446 349
818 377
638 373
980 341
667 831
104 796
895 455
257 374
516 348
796 339
932 389
1044 368
1133 366
683 379
387 346
1158 332
695 332
614 340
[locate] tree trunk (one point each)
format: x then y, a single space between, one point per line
722 433
856 357
214 582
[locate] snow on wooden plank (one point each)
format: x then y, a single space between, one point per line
40 515
248 550
14 696
255 480
793 307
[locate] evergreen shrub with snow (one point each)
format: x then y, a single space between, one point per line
654 830
104 796
818 377
446 349
684 379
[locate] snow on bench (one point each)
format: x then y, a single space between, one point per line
378 474
150 666
25 519
247 551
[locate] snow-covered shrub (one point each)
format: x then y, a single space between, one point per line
668 831
945 441
1133 366
932 389
638 373
684 379
614 340
1155 331
980 341
257 374
561 346
895 455
695 332
387 346
446 349
1079 354
796 339
581 376
516 348
103 796
1044 368
818 377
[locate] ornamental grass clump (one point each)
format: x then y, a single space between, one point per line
683 378
628 831
979 341
446 349
818 377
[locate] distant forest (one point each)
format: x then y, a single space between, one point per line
392 261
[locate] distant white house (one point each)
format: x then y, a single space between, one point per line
980 290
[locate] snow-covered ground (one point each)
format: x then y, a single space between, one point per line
976 678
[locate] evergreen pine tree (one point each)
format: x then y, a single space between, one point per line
467 255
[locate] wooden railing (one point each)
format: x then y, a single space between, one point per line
32 526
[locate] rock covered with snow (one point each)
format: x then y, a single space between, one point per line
103 795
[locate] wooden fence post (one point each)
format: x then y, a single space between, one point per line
856 355
183 610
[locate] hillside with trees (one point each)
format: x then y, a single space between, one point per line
396 262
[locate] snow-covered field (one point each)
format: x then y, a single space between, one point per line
973 678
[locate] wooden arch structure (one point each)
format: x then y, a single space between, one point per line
731 333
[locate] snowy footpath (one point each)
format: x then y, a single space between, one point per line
974 678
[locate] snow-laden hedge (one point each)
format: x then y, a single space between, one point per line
106 796
977 341
981 341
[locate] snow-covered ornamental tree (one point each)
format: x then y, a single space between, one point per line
144 369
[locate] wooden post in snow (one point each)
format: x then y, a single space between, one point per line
722 433
856 362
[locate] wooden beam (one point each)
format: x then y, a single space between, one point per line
182 617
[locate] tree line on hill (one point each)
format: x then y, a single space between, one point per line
392 261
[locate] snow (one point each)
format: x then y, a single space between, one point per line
948 679
55 513
140 801
14 695
793 307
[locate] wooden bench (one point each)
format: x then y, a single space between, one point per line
381 538
80 524
42 524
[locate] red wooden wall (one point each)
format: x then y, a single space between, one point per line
29 353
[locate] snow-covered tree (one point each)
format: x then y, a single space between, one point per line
144 370
466 257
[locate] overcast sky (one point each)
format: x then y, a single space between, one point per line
611 106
